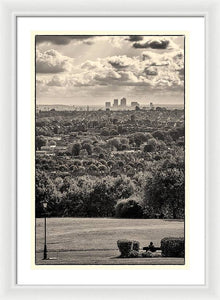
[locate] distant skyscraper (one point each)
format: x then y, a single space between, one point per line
123 102
134 103
107 104
115 103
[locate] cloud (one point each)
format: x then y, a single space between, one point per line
101 70
135 38
121 62
51 61
152 71
61 39
114 41
56 81
153 44
157 72
174 59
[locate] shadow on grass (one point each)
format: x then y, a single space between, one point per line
173 220
116 257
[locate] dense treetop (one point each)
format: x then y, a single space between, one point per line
110 163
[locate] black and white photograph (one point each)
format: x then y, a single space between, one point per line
110 155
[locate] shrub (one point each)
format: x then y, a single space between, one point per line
147 254
157 254
127 246
173 247
148 148
165 193
128 208
133 254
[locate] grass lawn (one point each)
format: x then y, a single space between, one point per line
79 241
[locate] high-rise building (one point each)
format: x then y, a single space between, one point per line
123 102
107 104
151 106
115 103
134 104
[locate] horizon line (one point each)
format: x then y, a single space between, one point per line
59 104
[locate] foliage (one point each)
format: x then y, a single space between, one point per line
87 147
173 247
165 193
126 246
128 208
76 149
99 158
147 254
85 196
40 141
133 254
45 191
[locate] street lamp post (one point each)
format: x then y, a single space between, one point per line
45 230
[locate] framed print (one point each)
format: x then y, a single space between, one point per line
109 124
111 149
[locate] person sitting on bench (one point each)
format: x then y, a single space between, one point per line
151 248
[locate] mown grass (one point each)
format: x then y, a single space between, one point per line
94 240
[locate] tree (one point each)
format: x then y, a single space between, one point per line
105 132
45 190
165 193
160 135
138 137
83 153
113 132
87 147
52 143
152 142
148 148
128 208
75 149
114 142
177 133
40 141
77 163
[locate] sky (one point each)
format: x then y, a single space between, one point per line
90 70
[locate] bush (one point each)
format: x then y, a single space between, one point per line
147 254
128 208
133 254
148 148
157 254
165 193
127 246
173 247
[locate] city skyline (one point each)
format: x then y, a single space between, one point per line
91 70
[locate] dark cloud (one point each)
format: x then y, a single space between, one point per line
120 62
62 39
117 65
160 44
181 73
135 38
178 56
152 71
